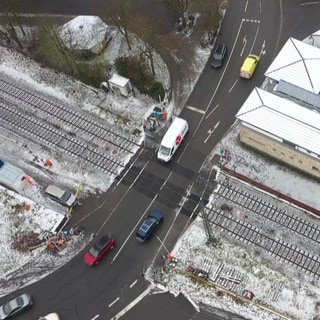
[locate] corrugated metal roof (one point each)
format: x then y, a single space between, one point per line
298 93
282 118
297 63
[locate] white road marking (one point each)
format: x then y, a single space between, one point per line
210 131
133 283
233 85
95 317
309 3
132 304
113 302
210 113
196 109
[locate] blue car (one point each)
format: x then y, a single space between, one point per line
149 225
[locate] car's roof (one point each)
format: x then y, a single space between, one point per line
54 190
103 241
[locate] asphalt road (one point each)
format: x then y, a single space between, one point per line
81 293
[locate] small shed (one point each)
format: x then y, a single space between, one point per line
12 177
119 84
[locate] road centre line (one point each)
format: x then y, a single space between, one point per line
224 71
133 303
213 110
96 317
133 283
196 109
134 228
113 302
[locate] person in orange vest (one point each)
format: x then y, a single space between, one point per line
29 180
51 244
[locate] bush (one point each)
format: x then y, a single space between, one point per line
135 69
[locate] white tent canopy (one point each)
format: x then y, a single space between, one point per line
83 32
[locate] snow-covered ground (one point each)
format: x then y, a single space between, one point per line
298 299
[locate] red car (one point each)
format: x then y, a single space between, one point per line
99 250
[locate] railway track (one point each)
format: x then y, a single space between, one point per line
277 248
54 125
270 212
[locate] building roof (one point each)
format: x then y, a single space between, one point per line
83 32
118 80
11 176
297 63
282 118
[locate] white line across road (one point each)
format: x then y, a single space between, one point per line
309 3
196 109
132 304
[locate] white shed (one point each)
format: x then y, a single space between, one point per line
120 84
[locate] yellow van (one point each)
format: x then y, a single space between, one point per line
249 66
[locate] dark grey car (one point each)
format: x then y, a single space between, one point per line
219 55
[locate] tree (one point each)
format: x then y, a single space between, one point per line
144 28
181 7
11 22
119 12
210 14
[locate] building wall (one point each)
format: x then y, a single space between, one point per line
280 151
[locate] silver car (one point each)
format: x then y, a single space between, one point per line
15 306
65 197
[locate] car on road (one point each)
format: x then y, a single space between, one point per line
64 197
99 250
249 66
149 225
219 55
15 306
50 316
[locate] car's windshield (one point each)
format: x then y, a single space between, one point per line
94 251
7 308
217 56
66 196
165 150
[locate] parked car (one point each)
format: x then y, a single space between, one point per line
149 225
15 306
99 250
219 55
64 197
50 316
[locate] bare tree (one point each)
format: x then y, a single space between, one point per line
144 28
210 14
119 13
181 7
12 25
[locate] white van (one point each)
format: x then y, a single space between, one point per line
12 177
172 139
